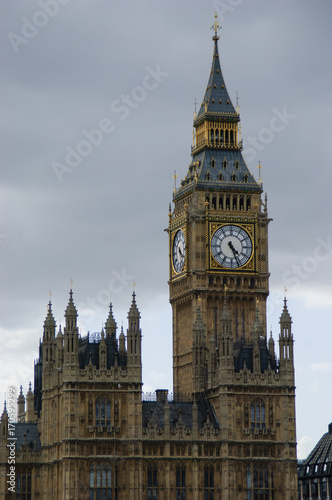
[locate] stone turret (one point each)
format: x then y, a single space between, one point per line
110 325
71 333
134 341
20 405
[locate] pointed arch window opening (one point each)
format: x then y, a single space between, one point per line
257 415
248 203
214 202
103 412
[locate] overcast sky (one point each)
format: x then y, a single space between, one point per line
122 77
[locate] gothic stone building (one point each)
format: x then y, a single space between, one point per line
84 432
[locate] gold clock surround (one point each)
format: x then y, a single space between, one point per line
249 228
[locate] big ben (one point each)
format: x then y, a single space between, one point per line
217 232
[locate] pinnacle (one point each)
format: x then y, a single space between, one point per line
133 311
110 323
199 325
49 320
285 316
71 309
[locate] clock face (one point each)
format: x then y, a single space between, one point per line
179 251
231 246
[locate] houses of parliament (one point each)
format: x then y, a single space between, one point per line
84 430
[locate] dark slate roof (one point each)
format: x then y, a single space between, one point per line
153 413
202 175
87 350
319 461
28 432
216 96
243 353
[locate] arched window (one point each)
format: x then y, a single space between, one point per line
220 176
23 484
103 412
234 202
221 202
260 481
224 164
214 202
241 203
226 138
213 163
231 137
228 203
233 177
208 483
221 137
208 176
257 415
207 200
211 135
217 136
248 203
180 482
245 178
152 482
103 481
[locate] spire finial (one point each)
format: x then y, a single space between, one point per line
259 166
215 26
174 177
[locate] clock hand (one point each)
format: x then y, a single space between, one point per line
235 252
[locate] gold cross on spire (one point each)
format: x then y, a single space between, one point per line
71 282
259 166
174 177
215 26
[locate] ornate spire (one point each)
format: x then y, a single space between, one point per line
133 311
285 316
110 324
199 325
216 100
49 320
71 309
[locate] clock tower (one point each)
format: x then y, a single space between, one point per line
218 237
